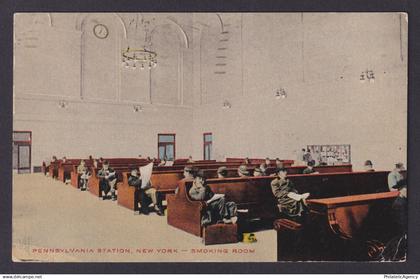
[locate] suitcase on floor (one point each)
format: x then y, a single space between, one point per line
220 234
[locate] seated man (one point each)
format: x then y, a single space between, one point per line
246 161
147 193
310 168
396 248
107 181
217 209
369 166
190 159
279 164
64 160
162 162
258 172
188 172
290 203
82 170
307 156
263 167
222 172
395 178
267 162
300 157
243 171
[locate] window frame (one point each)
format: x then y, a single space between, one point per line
164 144
206 143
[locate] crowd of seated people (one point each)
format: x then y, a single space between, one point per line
291 204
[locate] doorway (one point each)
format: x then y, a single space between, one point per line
22 143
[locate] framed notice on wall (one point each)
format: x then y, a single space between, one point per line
331 154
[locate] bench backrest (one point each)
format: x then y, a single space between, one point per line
258 189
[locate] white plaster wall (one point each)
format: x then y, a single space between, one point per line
65 61
317 58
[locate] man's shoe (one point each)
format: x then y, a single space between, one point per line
103 197
227 221
144 212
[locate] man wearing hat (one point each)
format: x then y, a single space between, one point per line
146 193
107 181
395 178
279 164
396 248
217 208
258 172
263 167
222 172
369 166
290 203
188 172
310 168
243 171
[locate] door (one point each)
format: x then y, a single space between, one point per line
22 142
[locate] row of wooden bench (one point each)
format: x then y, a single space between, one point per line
340 199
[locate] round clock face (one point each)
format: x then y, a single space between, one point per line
100 31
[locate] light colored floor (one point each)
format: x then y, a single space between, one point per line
54 222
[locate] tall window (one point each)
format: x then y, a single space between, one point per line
207 145
166 146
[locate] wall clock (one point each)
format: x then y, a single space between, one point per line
100 31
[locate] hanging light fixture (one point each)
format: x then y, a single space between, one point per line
281 94
368 75
226 105
62 104
137 108
144 55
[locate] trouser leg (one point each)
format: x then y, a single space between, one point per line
112 184
151 193
144 202
154 195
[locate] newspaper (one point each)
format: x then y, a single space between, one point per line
146 173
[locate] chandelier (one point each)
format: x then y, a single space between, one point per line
142 56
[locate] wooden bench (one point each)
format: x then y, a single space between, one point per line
65 169
114 162
339 229
255 161
93 182
165 182
255 194
53 168
185 161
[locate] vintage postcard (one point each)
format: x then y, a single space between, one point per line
209 137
